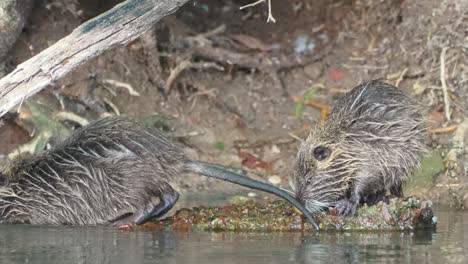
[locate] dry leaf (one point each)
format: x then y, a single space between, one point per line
252 162
336 75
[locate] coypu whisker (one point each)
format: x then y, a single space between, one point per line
325 191
316 206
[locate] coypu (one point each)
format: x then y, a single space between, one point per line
114 170
371 140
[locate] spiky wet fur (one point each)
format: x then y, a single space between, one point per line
376 135
104 170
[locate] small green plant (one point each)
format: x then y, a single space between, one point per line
310 94
220 146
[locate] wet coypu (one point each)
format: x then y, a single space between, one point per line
371 140
115 170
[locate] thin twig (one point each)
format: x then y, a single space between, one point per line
270 15
118 84
112 105
216 31
291 134
448 185
175 73
252 4
444 85
400 78
440 130
338 90
202 38
59 97
186 64
110 90
294 135
69 116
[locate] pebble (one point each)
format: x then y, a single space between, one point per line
252 194
303 43
314 71
275 180
275 149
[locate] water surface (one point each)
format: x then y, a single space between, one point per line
40 244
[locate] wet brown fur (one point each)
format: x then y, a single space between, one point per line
101 172
114 170
375 137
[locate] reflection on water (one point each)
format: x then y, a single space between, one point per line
33 244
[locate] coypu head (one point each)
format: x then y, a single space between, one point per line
322 174
371 140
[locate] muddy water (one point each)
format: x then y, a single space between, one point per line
33 244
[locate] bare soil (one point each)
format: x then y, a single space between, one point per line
222 112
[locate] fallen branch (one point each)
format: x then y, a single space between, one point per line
120 25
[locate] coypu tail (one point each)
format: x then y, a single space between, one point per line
215 171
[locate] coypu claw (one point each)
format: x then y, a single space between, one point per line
347 207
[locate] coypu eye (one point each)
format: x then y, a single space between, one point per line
321 153
3 180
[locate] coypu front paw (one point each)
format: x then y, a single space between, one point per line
346 207
349 205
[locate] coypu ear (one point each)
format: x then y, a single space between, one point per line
4 181
321 153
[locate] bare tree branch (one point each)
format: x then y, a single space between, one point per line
118 26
